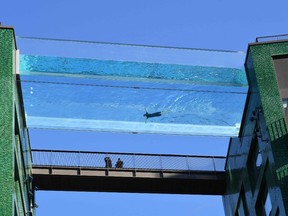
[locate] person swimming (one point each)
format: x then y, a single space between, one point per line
152 115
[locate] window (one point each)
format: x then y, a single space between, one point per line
16 125
277 212
242 209
268 205
258 159
254 162
281 69
263 205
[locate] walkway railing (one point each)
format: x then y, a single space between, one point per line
85 159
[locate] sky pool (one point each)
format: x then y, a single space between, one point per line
102 94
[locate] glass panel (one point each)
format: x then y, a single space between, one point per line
130 53
197 163
240 210
147 162
259 160
174 163
254 161
92 160
268 205
219 164
128 88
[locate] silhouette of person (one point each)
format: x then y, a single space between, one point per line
108 162
152 115
119 163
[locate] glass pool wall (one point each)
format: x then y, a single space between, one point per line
109 87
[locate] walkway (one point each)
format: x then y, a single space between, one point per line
140 173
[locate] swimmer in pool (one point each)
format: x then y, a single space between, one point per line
151 115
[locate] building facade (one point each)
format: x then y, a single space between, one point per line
256 166
16 193
257 162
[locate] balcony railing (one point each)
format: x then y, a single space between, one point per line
272 38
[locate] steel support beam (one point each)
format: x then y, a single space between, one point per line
128 180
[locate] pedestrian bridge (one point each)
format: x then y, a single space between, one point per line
142 173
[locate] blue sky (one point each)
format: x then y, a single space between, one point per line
211 24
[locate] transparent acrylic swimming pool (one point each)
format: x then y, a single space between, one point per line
101 94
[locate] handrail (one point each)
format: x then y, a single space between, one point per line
119 153
272 38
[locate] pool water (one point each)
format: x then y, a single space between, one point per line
106 95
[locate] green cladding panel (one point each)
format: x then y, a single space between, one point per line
16 193
7 50
257 162
266 79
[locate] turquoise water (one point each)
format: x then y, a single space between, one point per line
195 74
100 95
